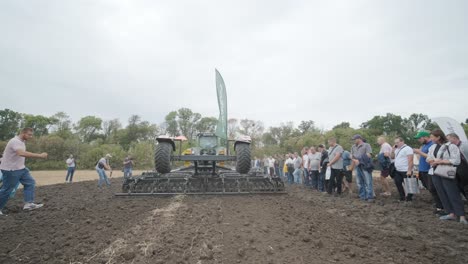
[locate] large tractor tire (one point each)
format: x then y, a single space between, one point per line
243 158
162 158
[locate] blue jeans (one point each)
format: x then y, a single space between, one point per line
297 176
364 184
12 194
290 177
10 182
70 172
128 172
102 177
321 180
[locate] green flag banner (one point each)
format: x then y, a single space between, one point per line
221 129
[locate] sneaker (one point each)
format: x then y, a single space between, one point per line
386 194
463 221
2 214
447 217
32 206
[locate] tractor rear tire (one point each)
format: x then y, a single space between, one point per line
162 157
243 158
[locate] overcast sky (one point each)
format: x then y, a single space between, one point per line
327 61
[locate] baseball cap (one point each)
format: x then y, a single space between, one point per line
108 155
421 134
357 136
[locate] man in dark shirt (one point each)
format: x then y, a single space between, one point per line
322 184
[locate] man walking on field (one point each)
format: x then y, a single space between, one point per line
14 170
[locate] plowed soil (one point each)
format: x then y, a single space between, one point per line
80 224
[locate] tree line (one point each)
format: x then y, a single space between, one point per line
91 137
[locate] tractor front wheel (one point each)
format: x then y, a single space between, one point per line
243 158
162 158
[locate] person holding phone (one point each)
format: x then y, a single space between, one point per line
403 155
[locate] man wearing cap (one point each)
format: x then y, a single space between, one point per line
423 137
363 177
101 167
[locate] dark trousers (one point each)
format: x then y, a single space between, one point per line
306 177
449 194
426 180
399 179
336 180
314 175
462 178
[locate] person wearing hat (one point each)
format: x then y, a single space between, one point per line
101 167
424 139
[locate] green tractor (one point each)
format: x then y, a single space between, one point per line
205 175
206 172
205 156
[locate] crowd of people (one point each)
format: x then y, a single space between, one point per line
439 164
442 168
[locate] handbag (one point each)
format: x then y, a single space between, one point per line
411 185
446 171
328 173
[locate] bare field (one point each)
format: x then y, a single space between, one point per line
54 177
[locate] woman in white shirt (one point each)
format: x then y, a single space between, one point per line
443 153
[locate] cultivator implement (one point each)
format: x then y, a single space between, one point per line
186 182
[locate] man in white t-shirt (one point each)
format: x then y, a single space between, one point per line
271 166
384 159
403 155
14 170
70 168
101 168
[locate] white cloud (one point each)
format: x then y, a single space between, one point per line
329 61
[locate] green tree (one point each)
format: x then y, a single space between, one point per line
342 125
9 123
110 130
62 125
88 128
387 124
206 124
186 120
172 127
307 126
39 123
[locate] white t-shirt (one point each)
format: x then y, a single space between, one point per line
70 163
271 163
401 158
11 160
305 159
